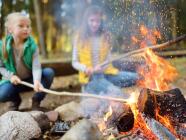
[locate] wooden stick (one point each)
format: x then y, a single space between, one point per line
64 93
171 42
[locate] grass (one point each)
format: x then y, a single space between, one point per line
180 82
180 64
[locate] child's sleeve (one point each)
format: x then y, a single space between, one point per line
75 60
3 71
36 66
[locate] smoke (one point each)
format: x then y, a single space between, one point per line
124 18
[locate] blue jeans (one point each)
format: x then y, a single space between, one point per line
123 79
110 84
10 92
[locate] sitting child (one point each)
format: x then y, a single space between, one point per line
19 60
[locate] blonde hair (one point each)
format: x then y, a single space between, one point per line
8 23
13 16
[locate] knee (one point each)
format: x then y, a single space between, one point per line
129 75
48 73
3 96
6 92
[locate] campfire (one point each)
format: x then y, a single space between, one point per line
157 102
154 111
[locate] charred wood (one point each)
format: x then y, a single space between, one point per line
171 103
165 104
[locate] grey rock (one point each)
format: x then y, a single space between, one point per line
52 115
70 111
83 130
16 125
41 118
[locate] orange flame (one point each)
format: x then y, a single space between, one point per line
134 39
157 72
108 114
157 33
140 124
143 30
166 122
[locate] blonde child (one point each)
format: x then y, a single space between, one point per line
19 60
92 47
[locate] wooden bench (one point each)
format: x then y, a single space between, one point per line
60 68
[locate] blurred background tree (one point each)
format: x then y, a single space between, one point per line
55 21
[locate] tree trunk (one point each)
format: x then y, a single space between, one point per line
174 22
1 21
40 28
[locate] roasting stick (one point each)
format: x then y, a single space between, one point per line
168 43
64 93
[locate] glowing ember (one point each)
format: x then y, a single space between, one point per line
166 122
134 39
156 33
139 120
143 30
140 125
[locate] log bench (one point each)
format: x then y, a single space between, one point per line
60 68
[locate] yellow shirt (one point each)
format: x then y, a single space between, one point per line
85 57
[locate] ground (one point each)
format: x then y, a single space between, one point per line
180 82
70 83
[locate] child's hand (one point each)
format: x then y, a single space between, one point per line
15 80
37 86
89 71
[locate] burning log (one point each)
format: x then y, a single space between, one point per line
125 121
171 103
167 107
159 130
113 115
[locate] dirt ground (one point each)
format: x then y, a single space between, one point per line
70 83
